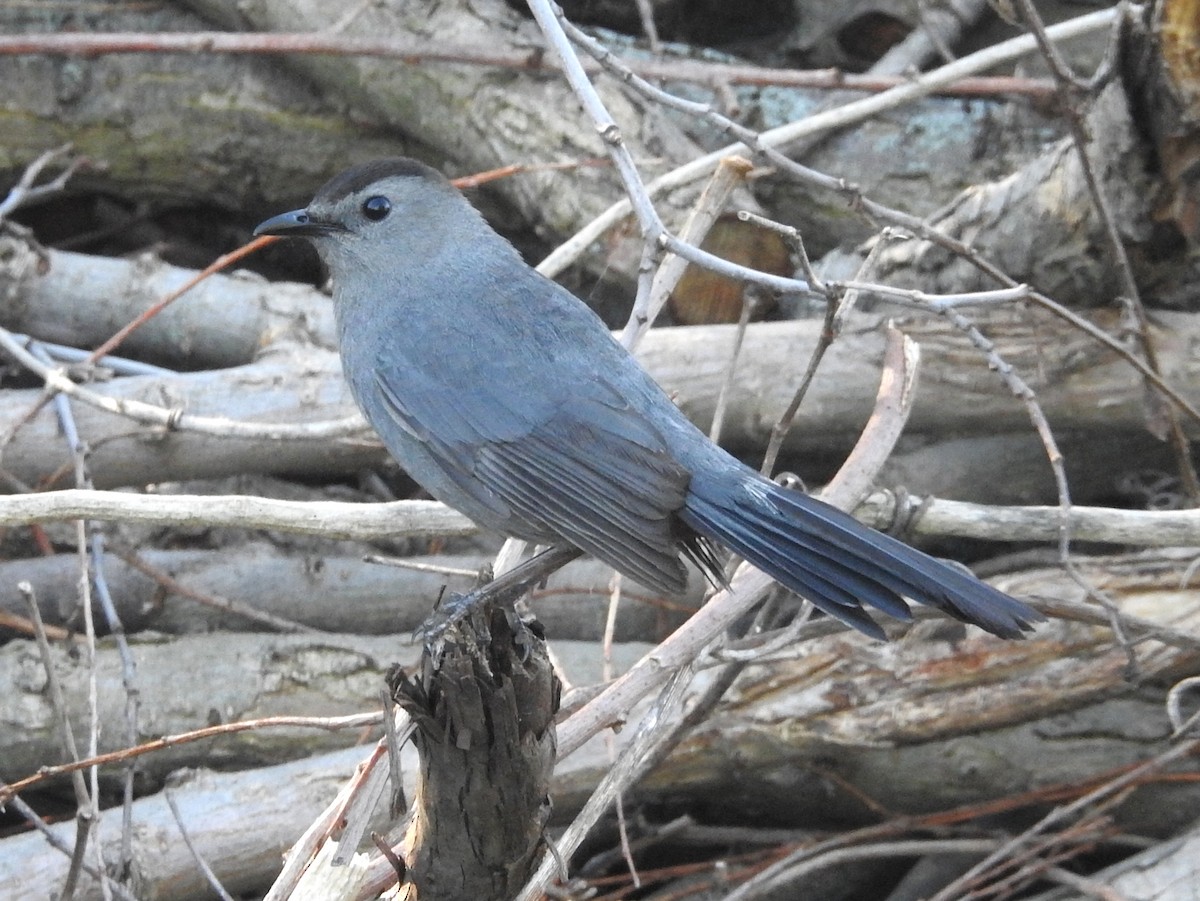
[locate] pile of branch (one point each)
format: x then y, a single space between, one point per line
197 626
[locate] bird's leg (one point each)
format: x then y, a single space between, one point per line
504 589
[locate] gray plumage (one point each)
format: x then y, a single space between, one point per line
506 397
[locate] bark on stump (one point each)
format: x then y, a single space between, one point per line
484 708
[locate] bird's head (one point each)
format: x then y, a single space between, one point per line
376 214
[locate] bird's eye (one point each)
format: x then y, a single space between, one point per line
376 208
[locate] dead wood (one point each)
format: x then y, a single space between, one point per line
917 162
329 591
828 731
245 676
920 725
232 132
937 720
81 300
297 386
1162 78
971 716
306 130
484 706
239 822
1082 387
1039 226
497 120
1161 871
1011 468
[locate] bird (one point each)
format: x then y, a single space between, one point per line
506 397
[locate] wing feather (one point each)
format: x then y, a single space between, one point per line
588 470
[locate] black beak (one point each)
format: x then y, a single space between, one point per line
296 224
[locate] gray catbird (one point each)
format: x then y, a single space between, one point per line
506 397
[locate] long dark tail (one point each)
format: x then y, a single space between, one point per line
835 561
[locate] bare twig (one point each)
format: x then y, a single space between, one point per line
835 316
893 403
330 519
750 142
329 724
554 27
330 42
86 811
174 586
26 190
209 876
57 381
90 541
718 418
1072 88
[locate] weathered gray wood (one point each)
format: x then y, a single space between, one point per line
222 131
1082 388
1004 705
484 704
1169 871
226 320
334 591
943 717
302 385
189 683
479 118
1039 226
240 822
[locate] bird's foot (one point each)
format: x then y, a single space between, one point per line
504 589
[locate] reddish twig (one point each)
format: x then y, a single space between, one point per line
327 723
707 73
216 266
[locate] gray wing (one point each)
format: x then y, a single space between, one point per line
575 462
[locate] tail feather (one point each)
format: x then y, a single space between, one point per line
844 582
835 561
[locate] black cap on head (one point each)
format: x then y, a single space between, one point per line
358 177
303 223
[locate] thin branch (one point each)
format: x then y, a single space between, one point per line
550 21
57 381
26 190
223 604
840 117
86 811
367 522
776 283
329 519
221 262
209 876
123 755
835 315
329 42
